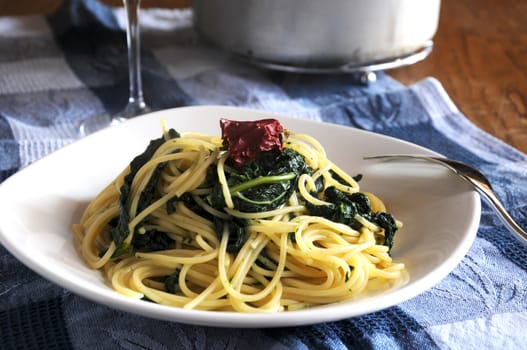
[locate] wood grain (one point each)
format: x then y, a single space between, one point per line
28 7
480 57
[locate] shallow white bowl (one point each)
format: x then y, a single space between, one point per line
39 204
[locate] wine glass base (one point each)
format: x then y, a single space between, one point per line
94 124
131 110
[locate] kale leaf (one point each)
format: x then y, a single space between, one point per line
343 207
190 203
387 222
236 230
120 231
264 183
151 240
172 282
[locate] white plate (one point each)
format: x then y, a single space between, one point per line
39 204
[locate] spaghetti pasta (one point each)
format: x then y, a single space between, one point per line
184 226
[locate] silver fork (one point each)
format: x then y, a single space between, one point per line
473 177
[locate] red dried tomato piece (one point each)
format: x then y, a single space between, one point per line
246 140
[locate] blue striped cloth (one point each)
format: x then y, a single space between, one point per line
58 71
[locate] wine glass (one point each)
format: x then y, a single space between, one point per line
136 103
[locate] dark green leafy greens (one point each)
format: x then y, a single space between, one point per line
387 222
343 208
172 282
151 240
236 231
263 184
120 231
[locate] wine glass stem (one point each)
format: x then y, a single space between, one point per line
134 47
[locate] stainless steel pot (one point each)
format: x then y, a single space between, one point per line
317 33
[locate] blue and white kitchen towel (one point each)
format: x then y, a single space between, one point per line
57 71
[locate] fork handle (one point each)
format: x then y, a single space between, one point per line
504 215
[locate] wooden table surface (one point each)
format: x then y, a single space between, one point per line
480 57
